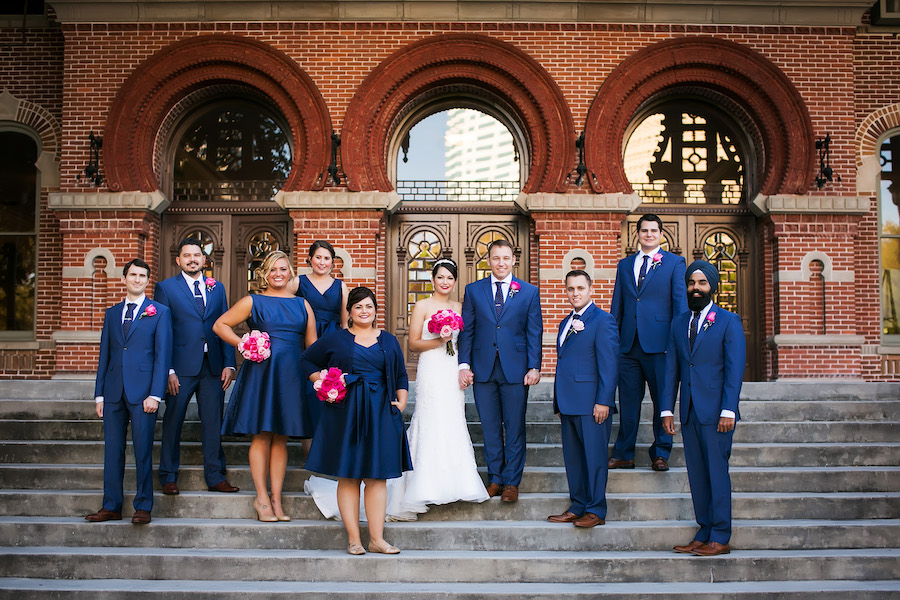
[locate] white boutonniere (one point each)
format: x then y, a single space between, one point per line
577 325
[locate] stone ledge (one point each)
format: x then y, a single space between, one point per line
337 200
19 345
802 204
152 201
578 202
76 337
839 340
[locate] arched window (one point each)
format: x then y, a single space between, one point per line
685 153
18 234
889 232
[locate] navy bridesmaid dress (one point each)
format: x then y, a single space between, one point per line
362 436
268 396
326 307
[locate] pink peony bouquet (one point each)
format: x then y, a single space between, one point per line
444 323
331 386
255 346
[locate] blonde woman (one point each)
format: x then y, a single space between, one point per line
267 402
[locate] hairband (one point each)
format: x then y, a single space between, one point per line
444 260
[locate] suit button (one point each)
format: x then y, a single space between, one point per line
638 299
692 364
498 327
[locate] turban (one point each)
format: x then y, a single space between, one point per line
712 274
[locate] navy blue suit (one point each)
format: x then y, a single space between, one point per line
586 374
644 316
500 351
197 372
710 376
131 368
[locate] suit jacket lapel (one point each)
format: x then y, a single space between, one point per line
650 271
190 294
134 322
489 294
509 296
701 334
631 280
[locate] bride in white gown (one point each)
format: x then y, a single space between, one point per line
444 468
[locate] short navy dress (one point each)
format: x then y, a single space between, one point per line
268 396
362 436
326 307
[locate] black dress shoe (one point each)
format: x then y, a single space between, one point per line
103 515
141 517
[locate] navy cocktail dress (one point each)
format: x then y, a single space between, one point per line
268 396
362 436
327 310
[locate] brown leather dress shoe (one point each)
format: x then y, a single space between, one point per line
660 464
494 489
225 487
170 489
141 517
589 520
510 494
566 517
712 549
618 463
688 548
103 515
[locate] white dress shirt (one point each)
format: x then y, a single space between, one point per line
639 263
728 414
139 302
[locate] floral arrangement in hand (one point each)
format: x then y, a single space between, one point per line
331 386
444 323
255 346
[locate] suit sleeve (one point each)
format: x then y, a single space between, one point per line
735 355
464 342
103 360
670 385
615 307
162 356
679 289
228 359
160 295
534 331
606 347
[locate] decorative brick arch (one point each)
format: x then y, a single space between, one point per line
749 79
160 82
478 64
43 124
872 128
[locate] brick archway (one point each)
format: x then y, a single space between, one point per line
476 63
747 78
163 80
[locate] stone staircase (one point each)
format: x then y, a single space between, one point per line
816 501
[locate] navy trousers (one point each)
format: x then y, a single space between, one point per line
706 453
116 416
585 446
501 408
637 368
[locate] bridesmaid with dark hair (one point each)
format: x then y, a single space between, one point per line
361 438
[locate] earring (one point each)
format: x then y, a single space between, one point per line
350 322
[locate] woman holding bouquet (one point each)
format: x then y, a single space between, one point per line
267 401
361 437
439 442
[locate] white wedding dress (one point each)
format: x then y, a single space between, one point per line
444 468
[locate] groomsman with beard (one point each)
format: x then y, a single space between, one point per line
706 354
135 351
201 364
584 395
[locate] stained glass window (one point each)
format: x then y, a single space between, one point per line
424 248
889 221
720 250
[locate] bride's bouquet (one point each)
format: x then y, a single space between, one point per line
331 386
255 346
444 323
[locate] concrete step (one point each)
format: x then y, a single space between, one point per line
535 432
415 566
28 589
535 479
531 506
781 534
548 455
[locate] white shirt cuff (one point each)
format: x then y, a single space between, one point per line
98 399
728 414
157 398
232 368
666 413
463 366
171 371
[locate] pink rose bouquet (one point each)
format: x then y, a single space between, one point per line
148 312
444 323
331 386
255 346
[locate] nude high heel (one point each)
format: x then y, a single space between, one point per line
259 508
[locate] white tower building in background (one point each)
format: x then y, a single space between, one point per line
478 147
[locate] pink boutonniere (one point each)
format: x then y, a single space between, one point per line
577 325
150 311
656 260
710 319
513 288
210 284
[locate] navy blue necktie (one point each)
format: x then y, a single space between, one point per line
498 298
692 336
643 272
129 318
198 298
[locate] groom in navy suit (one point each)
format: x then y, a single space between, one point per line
500 353
135 350
201 364
584 394
649 291
706 354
